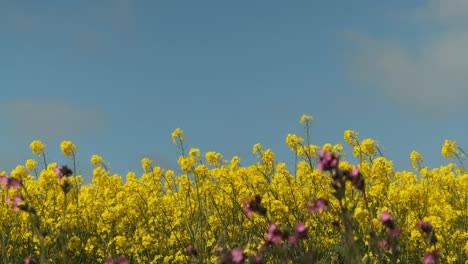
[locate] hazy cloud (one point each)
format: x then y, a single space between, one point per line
90 29
52 119
432 80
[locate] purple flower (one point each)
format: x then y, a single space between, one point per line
301 230
384 244
274 235
355 172
16 202
237 255
394 232
120 260
431 257
317 205
63 171
248 211
426 227
327 161
388 222
29 260
192 250
254 206
258 259
292 239
355 177
10 182
385 216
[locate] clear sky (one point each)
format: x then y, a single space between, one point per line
117 77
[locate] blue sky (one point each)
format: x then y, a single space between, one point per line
116 77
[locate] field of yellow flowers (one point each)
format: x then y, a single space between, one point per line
323 210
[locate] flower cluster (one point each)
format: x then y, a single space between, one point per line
318 209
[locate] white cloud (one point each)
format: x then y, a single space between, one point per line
432 80
48 119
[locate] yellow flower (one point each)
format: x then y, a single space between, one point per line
327 146
369 146
37 147
68 148
146 164
195 153
306 119
257 148
293 141
416 159
449 149
74 243
351 137
213 157
96 160
31 164
178 134
19 172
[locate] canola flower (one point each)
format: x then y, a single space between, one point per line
320 210
31 164
37 147
416 160
96 160
449 149
306 119
68 148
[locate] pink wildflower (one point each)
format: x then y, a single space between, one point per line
10 182
385 216
431 257
301 230
16 201
384 244
237 255
317 205
327 161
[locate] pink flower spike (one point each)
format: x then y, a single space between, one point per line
4 180
355 172
18 199
394 232
385 216
277 238
320 204
109 261
237 255
321 153
15 183
258 259
320 166
431 257
15 207
29 260
317 205
300 228
248 212
192 250
272 228
292 240
121 260
384 244
8 200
